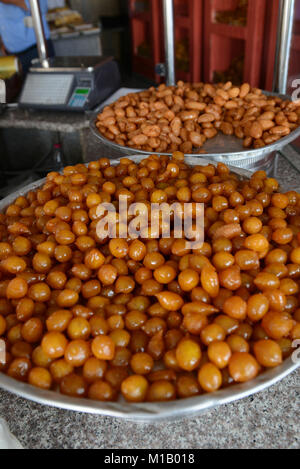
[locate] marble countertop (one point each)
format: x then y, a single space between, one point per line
269 419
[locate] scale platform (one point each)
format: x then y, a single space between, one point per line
70 83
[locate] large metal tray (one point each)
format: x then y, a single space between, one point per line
223 148
146 412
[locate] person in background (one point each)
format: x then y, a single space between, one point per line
19 39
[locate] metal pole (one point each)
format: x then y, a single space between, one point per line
168 12
283 46
39 31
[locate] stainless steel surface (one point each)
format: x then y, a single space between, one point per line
147 412
168 14
283 47
39 31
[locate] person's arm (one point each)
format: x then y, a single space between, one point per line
17 3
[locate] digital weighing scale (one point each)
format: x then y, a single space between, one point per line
66 83
70 83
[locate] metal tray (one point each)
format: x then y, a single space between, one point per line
223 148
146 412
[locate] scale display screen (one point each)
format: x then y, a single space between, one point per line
49 88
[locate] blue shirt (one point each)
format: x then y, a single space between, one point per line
16 36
